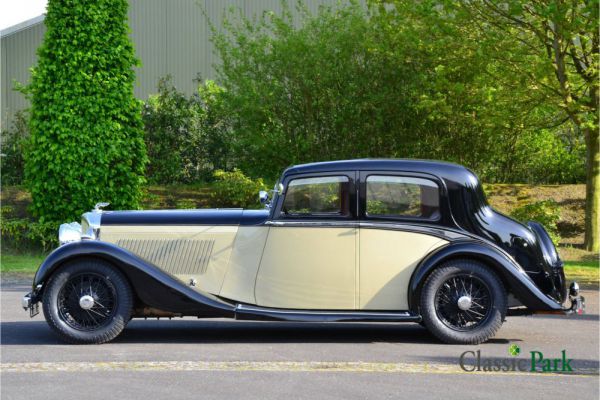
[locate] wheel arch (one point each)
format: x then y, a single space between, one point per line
512 275
151 285
53 268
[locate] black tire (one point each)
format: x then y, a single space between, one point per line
75 324
485 299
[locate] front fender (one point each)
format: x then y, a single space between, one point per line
511 273
153 286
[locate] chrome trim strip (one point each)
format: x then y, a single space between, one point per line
314 224
248 312
247 308
441 232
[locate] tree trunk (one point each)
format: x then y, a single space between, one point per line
592 239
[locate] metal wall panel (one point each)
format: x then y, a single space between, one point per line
186 44
171 37
18 56
147 23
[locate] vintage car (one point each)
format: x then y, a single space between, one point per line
357 241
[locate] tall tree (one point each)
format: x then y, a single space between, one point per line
402 81
86 130
540 57
559 44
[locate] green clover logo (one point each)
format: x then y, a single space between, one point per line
514 350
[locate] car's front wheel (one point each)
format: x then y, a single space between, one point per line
87 301
463 302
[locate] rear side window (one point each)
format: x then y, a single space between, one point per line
402 196
321 196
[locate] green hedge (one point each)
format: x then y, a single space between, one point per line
234 189
87 140
23 235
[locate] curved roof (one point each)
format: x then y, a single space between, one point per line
441 169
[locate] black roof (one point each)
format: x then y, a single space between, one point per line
444 170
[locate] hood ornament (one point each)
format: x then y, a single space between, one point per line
99 206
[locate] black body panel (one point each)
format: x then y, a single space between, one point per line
444 170
216 216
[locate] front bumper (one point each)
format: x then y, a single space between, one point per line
577 300
31 302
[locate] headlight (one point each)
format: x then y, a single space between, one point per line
68 233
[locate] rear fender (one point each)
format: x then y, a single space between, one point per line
512 274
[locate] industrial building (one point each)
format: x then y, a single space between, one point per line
171 37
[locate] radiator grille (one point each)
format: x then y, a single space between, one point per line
181 256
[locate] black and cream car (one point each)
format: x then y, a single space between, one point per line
359 240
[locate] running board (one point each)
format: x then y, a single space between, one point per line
256 313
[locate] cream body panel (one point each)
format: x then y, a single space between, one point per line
243 266
199 253
308 268
387 261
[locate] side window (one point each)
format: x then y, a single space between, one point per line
402 196
320 196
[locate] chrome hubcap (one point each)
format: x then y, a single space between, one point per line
464 303
86 302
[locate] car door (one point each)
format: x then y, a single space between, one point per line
309 260
398 214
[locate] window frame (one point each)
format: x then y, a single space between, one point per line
352 198
364 175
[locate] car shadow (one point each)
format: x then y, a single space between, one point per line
582 317
220 331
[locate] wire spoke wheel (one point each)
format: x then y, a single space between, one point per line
463 302
87 301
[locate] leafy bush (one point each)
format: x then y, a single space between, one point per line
408 80
186 137
87 140
234 189
546 212
13 143
22 235
309 90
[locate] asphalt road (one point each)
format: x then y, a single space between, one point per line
204 359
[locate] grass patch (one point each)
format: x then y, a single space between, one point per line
20 262
586 273
582 264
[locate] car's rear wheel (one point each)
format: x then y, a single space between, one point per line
87 301
463 302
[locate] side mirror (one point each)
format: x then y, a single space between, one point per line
263 196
